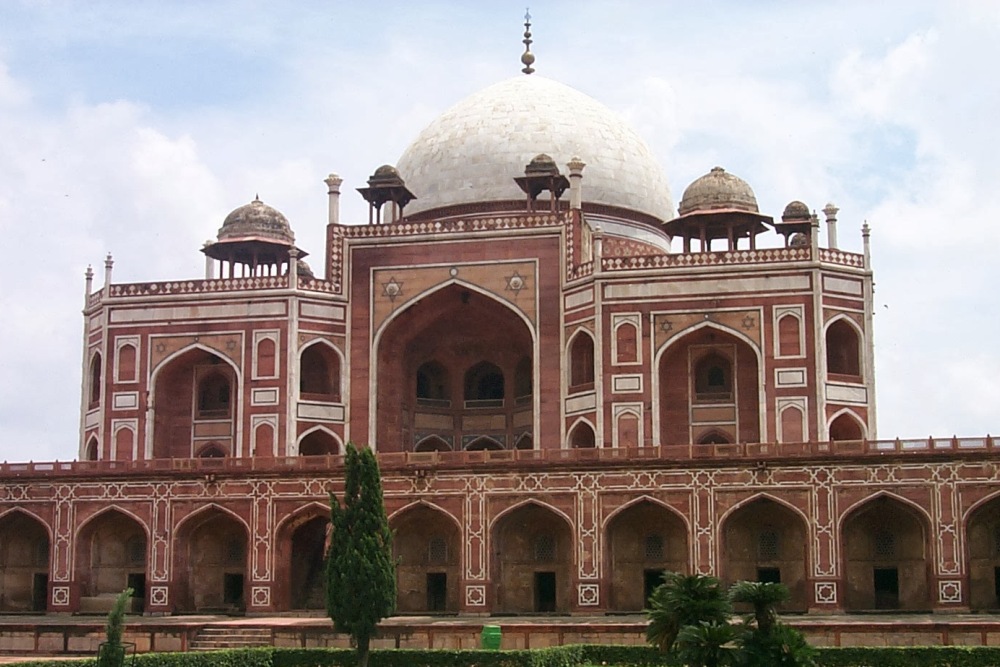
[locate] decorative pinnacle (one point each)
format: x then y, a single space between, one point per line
527 58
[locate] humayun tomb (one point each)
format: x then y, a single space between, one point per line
571 386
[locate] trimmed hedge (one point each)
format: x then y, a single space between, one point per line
558 656
909 656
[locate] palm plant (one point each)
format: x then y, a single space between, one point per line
708 645
764 598
683 600
783 646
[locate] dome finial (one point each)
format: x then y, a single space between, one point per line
527 58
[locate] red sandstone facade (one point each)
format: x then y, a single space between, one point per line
562 409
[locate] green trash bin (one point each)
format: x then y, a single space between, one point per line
491 637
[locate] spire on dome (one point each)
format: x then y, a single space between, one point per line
527 58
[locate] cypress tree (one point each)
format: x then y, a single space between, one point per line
360 572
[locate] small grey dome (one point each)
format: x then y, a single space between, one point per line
718 190
256 221
796 211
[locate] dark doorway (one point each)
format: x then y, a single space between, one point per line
39 591
232 589
769 575
650 580
886 580
137 582
437 591
545 591
996 587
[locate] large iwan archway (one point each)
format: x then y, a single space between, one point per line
455 366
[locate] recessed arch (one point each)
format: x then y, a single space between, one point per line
582 435
92 451
427 546
319 441
429 505
174 383
321 369
25 558
301 541
300 515
459 326
211 555
484 443
715 436
581 360
530 501
981 527
765 539
445 285
844 341
645 498
886 554
845 424
763 495
28 514
642 539
534 555
883 493
111 553
674 421
199 513
432 443
626 339
96 379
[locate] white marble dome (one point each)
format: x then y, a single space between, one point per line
473 151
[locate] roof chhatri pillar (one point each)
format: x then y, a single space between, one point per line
831 225
109 263
575 167
333 182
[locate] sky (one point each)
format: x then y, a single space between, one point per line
134 127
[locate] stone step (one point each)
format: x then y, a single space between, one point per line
213 638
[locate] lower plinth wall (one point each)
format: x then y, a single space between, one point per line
82 637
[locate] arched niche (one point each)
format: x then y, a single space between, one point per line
24 563
533 560
643 540
427 547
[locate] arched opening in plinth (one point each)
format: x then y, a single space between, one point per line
211 562
111 555
301 544
709 388
427 547
643 541
885 564
764 540
451 365
982 537
533 549
24 563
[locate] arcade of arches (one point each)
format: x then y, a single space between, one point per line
532 556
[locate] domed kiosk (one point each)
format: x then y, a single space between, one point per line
256 238
718 205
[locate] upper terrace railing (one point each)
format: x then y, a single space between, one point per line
209 286
683 455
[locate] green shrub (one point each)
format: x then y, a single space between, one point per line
560 656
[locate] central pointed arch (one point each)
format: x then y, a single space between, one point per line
732 384
195 383
451 329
